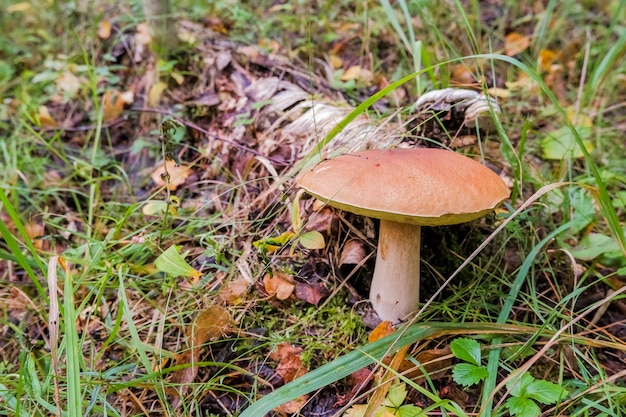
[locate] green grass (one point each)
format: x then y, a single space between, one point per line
79 194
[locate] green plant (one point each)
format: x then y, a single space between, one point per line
525 391
393 406
311 239
471 371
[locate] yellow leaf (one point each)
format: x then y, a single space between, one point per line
352 73
383 329
545 59
178 174
335 61
22 7
45 118
104 29
515 43
154 96
580 120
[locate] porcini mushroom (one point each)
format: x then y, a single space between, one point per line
406 189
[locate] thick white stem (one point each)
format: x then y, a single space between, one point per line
395 287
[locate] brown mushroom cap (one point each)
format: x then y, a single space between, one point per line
426 187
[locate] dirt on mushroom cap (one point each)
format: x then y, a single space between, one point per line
417 186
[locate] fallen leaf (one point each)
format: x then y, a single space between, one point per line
561 143
312 240
382 330
335 61
45 118
178 175
311 293
323 221
290 364
515 43
104 29
234 291
289 367
210 325
293 406
462 75
436 363
69 84
278 284
356 73
35 232
142 36
498 92
579 119
113 105
545 59
353 252
156 91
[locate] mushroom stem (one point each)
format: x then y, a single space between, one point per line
395 289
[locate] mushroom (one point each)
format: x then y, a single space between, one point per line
406 189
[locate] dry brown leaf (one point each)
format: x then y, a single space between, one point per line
211 324
113 105
436 362
353 252
515 43
323 221
290 364
234 291
311 293
293 406
289 367
35 232
142 36
278 284
104 29
178 174
69 84
462 75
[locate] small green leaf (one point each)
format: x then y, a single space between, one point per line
560 144
312 240
409 410
545 392
396 395
523 407
467 374
517 386
594 245
467 350
173 263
